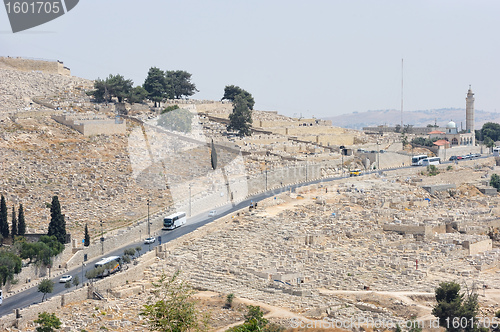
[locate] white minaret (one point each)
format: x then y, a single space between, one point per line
469 111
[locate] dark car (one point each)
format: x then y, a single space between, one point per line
453 158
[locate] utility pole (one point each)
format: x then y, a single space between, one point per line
149 226
306 170
402 94
190 200
266 173
83 264
102 240
342 151
378 156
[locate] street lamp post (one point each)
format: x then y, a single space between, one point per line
149 228
306 170
83 264
266 173
342 151
378 156
102 239
190 199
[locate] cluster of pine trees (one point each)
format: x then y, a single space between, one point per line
18 224
57 225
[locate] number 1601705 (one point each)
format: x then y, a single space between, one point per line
37 7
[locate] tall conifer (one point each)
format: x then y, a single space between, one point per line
21 224
87 237
14 223
57 225
4 225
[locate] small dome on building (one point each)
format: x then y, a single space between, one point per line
451 125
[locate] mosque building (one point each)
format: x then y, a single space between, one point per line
452 137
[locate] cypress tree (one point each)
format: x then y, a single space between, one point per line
4 225
57 225
87 237
21 224
14 223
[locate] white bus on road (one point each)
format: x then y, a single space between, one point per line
431 161
417 160
110 264
174 220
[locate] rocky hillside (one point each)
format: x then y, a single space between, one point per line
18 88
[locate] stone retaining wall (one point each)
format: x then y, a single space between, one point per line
45 66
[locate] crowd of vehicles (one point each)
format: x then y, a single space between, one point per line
465 157
174 220
424 160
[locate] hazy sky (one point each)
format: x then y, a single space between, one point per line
318 58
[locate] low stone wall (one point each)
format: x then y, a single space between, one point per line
431 189
89 127
426 230
478 247
45 66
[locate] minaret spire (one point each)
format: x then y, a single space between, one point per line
469 111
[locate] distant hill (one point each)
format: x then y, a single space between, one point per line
358 120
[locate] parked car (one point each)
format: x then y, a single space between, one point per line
464 157
477 155
212 213
150 240
453 158
66 278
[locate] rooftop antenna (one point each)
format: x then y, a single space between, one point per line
401 93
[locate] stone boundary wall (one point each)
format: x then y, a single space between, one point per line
45 66
406 229
34 114
478 247
414 130
88 126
